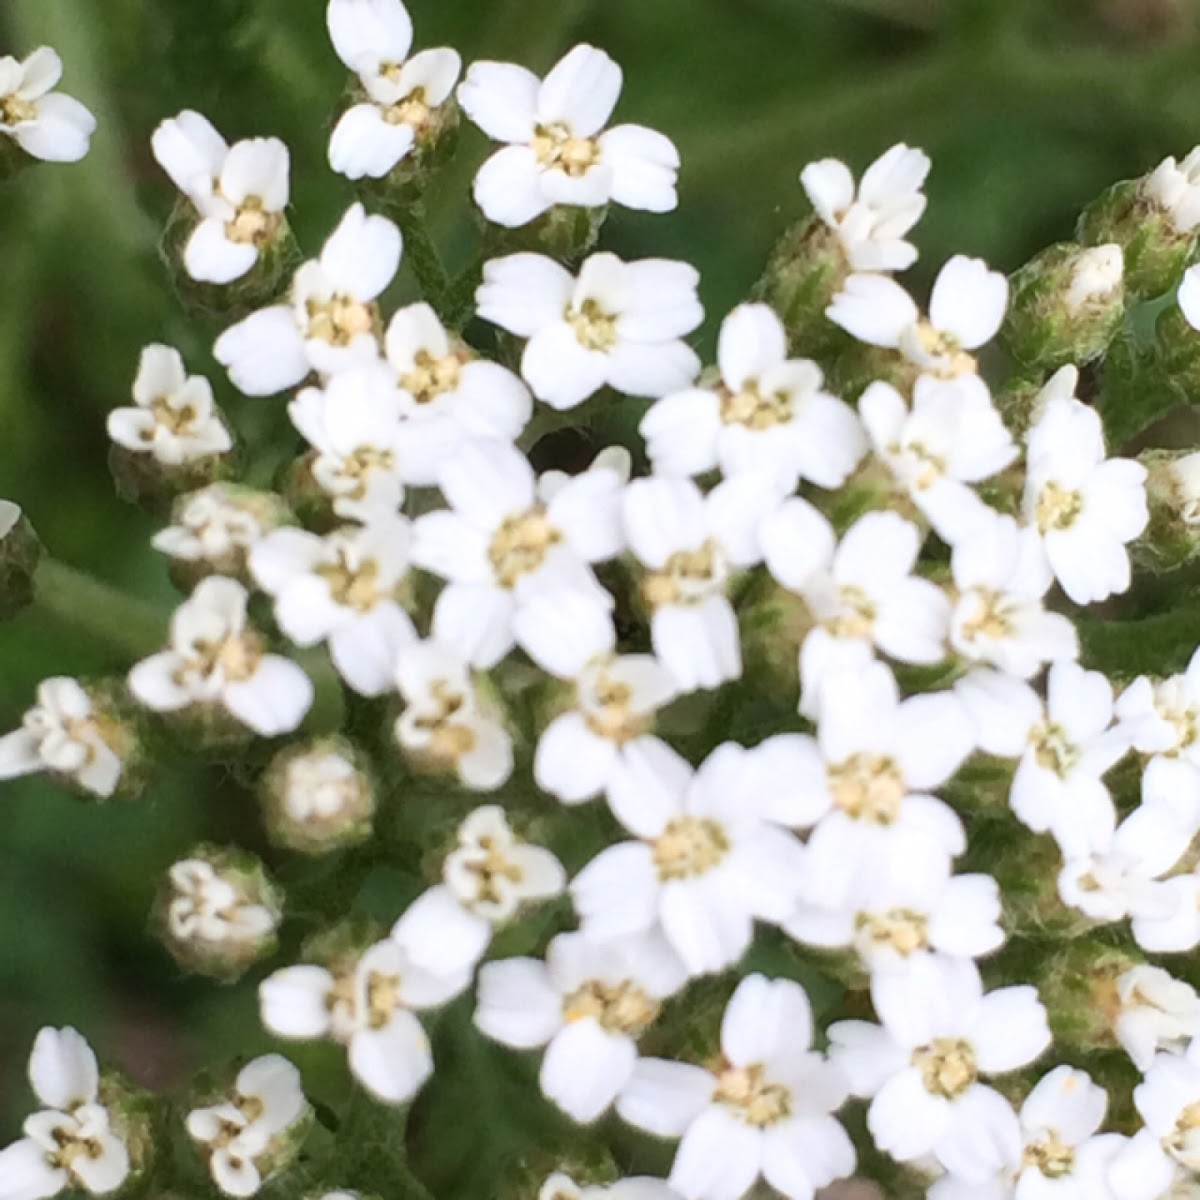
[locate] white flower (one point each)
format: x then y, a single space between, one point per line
617 324
175 419
1098 273
44 123
71 1143
862 781
587 748
767 413
217 525
343 589
240 1131
504 539
1169 1145
951 437
999 617
329 321
373 38
65 735
555 151
447 394
1175 188
204 906
914 909
445 725
216 658
689 545
1056 1151
707 862
922 1066
966 310
240 193
587 1004
763 1112
366 1005
323 788
1156 1012
872 221
1084 507
1123 880
354 426
861 592
1059 786
486 881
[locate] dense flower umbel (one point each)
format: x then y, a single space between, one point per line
967 765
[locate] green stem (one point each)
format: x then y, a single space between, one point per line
103 612
421 252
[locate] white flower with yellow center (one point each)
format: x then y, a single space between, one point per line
1065 746
617 324
1056 1150
862 593
240 1134
71 1143
1174 188
204 906
354 425
217 526
922 1067
588 1004
863 781
344 589
999 618
708 861
872 219
951 437
65 735
1155 1012
447 394
1084 507
1167 1150
689 545
504 538
175 419
586 749
762 1110
373 38
446 725
367 1005
44 123
487 880
966 310
767 413
240 193
216 658
914 909
556 152
330 320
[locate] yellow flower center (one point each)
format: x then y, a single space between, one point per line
623 1007
14 110
557 148
687 577
1053 749
605 703
413 110
238 656
755 409
857 618
990 619
931 466
492 871
904 930
752 1097
449 739
947 1066
360 465
689 846
432 377
868 787
174 420
520 545
950 360
340 319
352 586
252 225
594 328
1052 1156
1057 508
72 1147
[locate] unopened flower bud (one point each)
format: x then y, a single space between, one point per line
133 1118
566 232
20 551
213 529
1172 536
319 797
805 271
217 912
1067 304
1153 220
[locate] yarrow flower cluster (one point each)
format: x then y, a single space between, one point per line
767 801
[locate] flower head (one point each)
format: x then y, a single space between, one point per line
44 123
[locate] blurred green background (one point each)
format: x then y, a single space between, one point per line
1028 107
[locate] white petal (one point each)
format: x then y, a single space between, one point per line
585 1067
274 700
257 169
476 621
523 293
718 1159
293 1002
562 630
439 935
364 145
392 1063
368 32
765 1019
263 354
211 257
19 754
905 1120
509 188
571 762
829 186
681 432
652 369
62 1069
61 131
580 91
190 150
362 254
705 925
665 1097
1011 1029
797 541
644 167
517 1004
752 342
874 309
799 1155
699 645
25 1173
561 371
969 300
617 892
501 99
365 651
